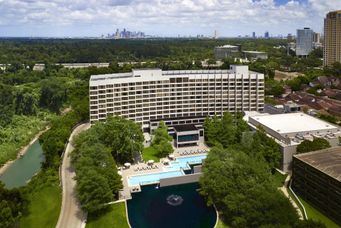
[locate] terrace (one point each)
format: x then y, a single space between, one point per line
150 172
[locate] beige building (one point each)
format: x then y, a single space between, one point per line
332 38
290 129
183 97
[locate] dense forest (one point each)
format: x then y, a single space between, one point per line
31 51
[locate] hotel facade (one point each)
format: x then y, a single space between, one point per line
186 97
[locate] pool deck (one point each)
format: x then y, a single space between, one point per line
143 168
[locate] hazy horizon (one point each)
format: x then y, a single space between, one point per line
168 18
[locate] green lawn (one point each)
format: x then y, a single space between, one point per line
149 153
43 208
221 224
316 215
115 217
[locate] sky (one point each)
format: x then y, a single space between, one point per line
75 18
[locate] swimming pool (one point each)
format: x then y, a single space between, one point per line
152 178
184 162
173 170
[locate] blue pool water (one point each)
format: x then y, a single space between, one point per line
173 170
152 178
184 162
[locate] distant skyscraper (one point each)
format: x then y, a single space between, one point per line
332 38
253 35
215 34
266 35
304 41
290 37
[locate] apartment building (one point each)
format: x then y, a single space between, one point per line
332 38
183 97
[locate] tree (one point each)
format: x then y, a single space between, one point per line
93 191
53 95
316 144
161 140
12 204
6 104
241 189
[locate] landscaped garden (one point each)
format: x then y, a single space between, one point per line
114 217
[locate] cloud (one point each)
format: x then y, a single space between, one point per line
164 16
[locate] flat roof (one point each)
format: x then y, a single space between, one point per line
188 127
255 52
227 46
292 122
327 161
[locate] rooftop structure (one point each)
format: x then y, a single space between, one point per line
226 51
177 97
254 55
327 161
290 129
293 123
317 178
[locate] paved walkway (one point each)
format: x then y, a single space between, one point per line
285 190
71 215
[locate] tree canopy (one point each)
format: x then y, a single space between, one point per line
161 140
316 144
241 189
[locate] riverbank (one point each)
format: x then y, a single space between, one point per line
22 151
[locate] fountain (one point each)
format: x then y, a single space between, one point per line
174 200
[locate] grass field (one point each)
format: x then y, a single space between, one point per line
316 215
221 224
115 217
149 153
43 208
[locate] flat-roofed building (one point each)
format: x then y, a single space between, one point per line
176 97
254 55
226 51
290 129
316 177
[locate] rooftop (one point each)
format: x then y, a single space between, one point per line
255 52
158 74
227 46
327 161
292 122
181 128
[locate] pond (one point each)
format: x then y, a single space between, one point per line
24 168
177 206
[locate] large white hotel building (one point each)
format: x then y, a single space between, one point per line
182 97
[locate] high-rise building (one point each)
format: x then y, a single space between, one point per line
290 37
304 41
254 35
182 97
332 38
266 35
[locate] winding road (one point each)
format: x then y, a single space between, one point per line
71 215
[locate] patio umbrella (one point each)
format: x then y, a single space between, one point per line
166 161
127 164
171 156
150 162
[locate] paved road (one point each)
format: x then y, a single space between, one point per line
71 215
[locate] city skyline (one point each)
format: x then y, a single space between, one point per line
29 18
